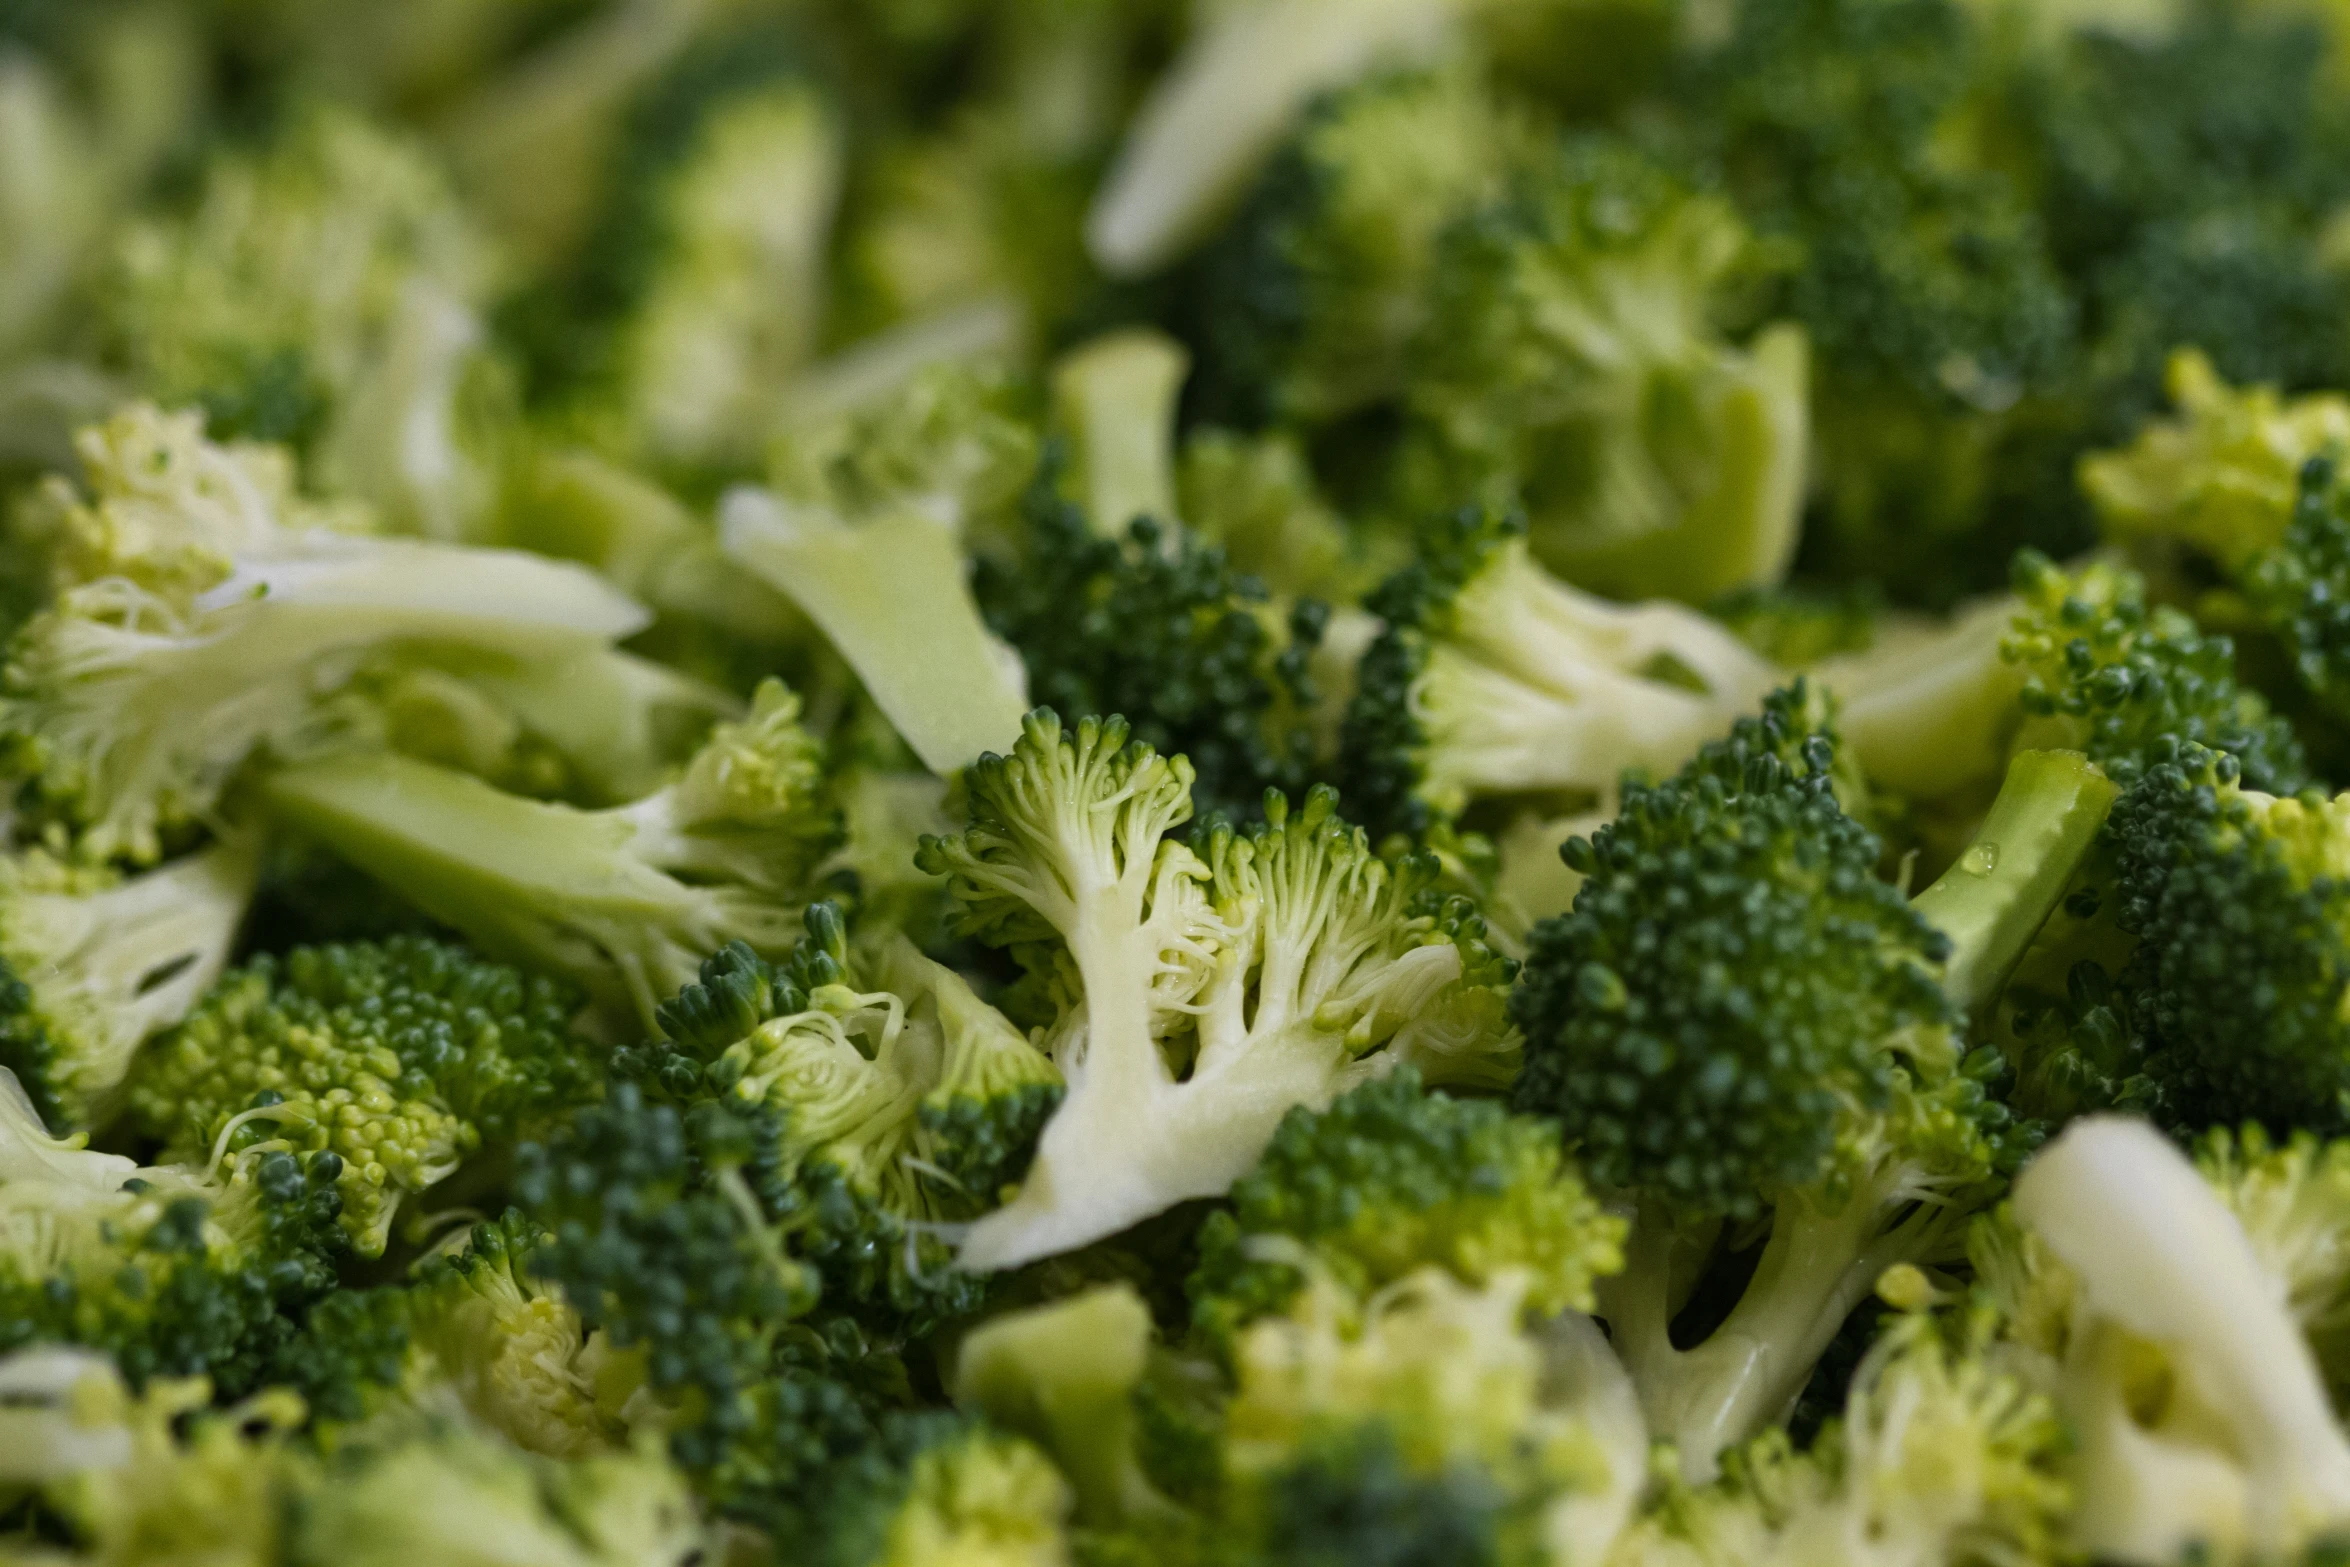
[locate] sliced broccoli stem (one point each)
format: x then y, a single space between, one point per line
1114 399
891 595
558 889
1994 900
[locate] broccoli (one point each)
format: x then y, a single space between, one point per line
1275 966
943 1490
1568 367
1737 1022
1226 105
1427 1420
724 313
400 1057
902 1111
2110 676
323 294
1937 1454
94 963
117 1477
1313 295
1939 321
2237 974
1114 407
663 1241
202 613
1255 498
168 1271
1152 624
623 902
1390 1179
2290 1196
2199 1415
1492 677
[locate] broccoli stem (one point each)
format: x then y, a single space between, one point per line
891 595
1993 901
1824 1256
1115 399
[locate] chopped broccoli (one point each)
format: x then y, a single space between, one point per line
1492 677
168 1271
1738 1020
203 613
1201 994
2199 1415
93 963
623 902
902 1111
2117 679
399 1057
2237 976
1569 367
944 1491
1153 625
1390 1179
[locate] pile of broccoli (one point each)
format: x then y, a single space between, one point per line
1123 783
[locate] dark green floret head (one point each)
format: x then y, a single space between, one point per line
2242 915
1722 989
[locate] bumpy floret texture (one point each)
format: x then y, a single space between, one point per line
400 1057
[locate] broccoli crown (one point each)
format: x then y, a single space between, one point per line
1311 297
166 1273
939 1489
236 308
2299 587
898 1112
1570 365
1733 978
400 1056
1158 627
1490 677
1436 1388
1391 1178
2243 952
1822 118
2116 679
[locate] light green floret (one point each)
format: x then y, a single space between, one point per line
1208 992
92 963
625 902
203 615
401 1058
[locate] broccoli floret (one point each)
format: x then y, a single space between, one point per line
1226 105
1390 1179
1938 1453
1796 628
1255 498
623 902
93 963
2293 1200
1313 295
2116 679
1569 367
118 1478
1930 708
1151 624
203 614
401 1058
445 1492
169 1271
943 1490
904 1109
2199 1414
1492 677
2243 951
727 308
1738 1020
1924 279
322 294
1206 993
